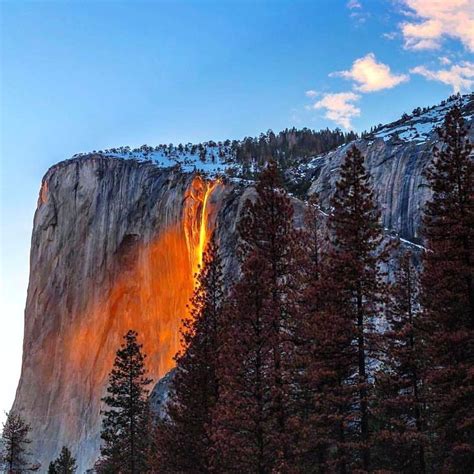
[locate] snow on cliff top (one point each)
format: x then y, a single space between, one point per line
422 123
209 158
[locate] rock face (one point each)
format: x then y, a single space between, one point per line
114 247
397 172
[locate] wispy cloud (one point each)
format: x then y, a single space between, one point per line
432 20
339 107
371 75
358 14
391 35
311 93
459 76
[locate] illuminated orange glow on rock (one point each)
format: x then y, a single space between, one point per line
150 295
43 194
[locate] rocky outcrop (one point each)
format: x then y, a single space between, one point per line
160 395
397 172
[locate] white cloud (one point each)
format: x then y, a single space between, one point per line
353 4
459 76
371 75
435 19
339 107
359 18
311 93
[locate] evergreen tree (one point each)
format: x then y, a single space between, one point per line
126 424
448 297
286 148
328 353
184 441
15 441
308 444
345 325
242 425
400 438
64 464
250 425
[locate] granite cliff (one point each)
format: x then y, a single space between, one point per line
115 245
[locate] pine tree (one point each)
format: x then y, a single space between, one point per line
242 424
354 285
184 441
401 436
15 441
327 353
126 425
64 464
250 425
448 297
308 444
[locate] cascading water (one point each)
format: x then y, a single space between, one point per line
199 219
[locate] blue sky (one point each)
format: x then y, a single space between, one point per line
83 75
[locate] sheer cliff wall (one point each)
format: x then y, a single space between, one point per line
115 245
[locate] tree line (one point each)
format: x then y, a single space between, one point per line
283 147
331 353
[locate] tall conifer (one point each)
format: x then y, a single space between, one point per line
355 293
448 297
251 417
126 423
14 445
401 438
309 443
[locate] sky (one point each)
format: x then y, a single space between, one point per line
83 75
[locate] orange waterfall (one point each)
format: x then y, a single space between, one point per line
198 225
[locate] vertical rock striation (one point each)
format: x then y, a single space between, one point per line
397 172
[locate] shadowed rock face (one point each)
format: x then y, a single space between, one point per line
397 172
397 169
114 246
